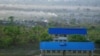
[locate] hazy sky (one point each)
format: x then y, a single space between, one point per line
45 1
21 8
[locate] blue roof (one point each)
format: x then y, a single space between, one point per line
82 31
67 46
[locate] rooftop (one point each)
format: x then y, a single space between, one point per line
67 46
68 31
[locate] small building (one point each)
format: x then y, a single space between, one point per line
60 46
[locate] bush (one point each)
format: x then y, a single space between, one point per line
97 41
77 38
45 37
5 42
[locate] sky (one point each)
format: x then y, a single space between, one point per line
23 7
52 2
45 1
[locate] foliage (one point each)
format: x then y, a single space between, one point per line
18 35
97 41
11 20
12 35
46 37
5 42
78 38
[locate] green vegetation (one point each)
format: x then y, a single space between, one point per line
79 38
20 35
14 35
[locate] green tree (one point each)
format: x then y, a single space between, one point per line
45 37
13 32
11 19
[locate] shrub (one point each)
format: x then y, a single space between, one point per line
76 38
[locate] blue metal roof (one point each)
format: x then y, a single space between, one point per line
82 31
67 46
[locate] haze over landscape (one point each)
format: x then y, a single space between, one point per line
50 9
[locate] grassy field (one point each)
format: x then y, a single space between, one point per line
18 52
30 52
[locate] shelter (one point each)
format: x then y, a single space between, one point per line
60 46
